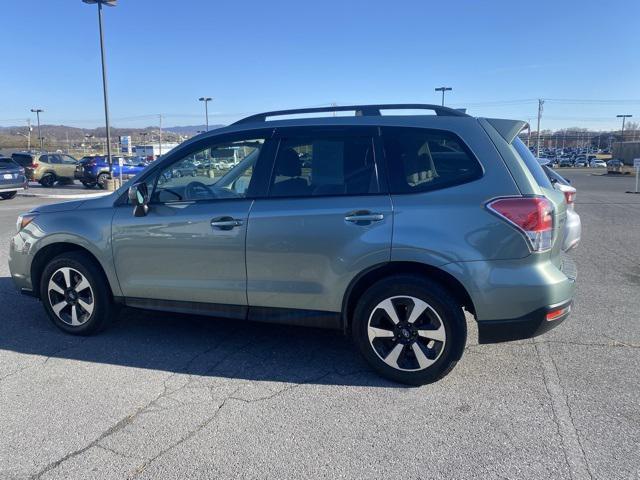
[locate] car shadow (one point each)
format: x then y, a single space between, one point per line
189 345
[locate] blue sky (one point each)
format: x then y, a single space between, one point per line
256 55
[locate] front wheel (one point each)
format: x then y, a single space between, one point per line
102 180
73 290
8 195
409 329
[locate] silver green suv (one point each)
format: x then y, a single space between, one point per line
387 227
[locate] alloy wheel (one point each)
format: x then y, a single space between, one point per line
406 333
70 296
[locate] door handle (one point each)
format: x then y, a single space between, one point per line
363 217
226 223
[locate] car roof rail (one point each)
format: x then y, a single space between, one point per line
361 111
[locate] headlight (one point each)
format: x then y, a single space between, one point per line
24 220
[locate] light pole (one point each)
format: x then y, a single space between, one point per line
206 110
38 111
443 89
110 3
623 117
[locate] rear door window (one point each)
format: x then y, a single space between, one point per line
312 164
420 160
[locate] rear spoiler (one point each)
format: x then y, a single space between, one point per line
508 129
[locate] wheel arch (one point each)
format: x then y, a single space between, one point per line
48 252
362 281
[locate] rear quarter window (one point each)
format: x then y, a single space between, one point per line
532 163
421 160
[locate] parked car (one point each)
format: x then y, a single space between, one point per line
596 163
565 162
12 178
385 236
47 168
573 225
93 170
581 163
186 169
615 165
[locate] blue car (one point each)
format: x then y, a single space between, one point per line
93 170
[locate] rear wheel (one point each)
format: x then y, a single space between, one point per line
47 180
8 195
73 291
409 329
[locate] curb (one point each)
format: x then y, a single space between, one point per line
64 196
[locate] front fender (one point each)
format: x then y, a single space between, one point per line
89 229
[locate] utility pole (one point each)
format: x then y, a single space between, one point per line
110 3
443 89
564 134
206 110
160 136
528 132
624 117
29 134
38 111
540 104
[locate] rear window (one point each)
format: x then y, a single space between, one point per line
420 160
532 164
21 158
6 163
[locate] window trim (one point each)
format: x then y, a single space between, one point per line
439 186
328 131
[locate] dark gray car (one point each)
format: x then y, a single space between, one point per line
388 227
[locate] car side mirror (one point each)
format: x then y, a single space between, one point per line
139 198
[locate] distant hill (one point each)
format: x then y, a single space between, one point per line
192 129
59 136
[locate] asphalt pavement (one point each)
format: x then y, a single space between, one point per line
174 397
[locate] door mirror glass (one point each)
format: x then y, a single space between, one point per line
139 198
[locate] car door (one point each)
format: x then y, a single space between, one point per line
68 166
190 247
327 218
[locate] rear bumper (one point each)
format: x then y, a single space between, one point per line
12 188
85 176
527 326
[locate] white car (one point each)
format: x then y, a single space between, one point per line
595 163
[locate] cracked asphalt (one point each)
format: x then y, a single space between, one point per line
173 397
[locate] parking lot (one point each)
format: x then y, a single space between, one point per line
174 397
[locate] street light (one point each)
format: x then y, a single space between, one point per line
110 3
206 110
443 89
623 117
38 111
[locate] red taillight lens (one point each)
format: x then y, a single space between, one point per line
531 215
570 197
34 165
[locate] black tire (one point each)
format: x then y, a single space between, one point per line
8 195
446 354
89 184
47 180
101 181
103 308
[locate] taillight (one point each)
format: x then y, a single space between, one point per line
34 165
533 216
570 197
